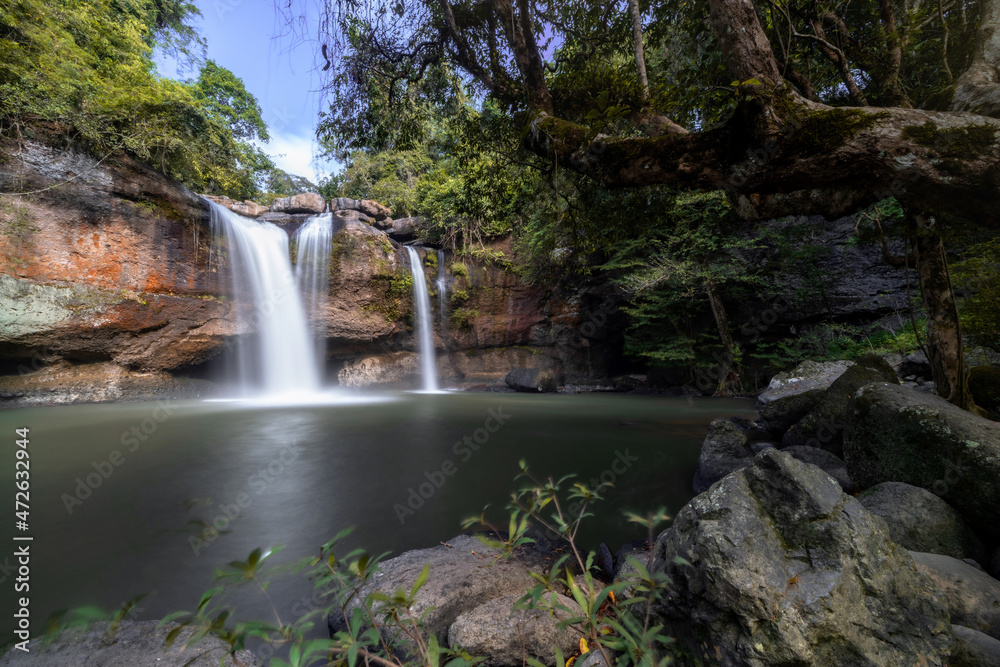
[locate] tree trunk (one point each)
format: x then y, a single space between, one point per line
729 375
978 89
944 335
640 57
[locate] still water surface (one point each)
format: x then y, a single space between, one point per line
130 524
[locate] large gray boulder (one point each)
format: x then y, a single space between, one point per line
505 636
823 427
898 434
829 463
307 202
973 649
786 569
533 380
725 450
780 413
133 644
972 596
807 376
464 574
921 521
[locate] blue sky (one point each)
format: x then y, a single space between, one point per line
277 66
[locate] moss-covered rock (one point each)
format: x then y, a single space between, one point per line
775 565
823 426
898 434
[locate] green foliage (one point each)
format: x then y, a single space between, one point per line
977 277
88 67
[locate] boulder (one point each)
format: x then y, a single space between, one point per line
984 383
805 377
778 414
505 636
973 649
971 595
532 380
915 365
247 208
783 568
920 521
374 209
307 202
351 214
725 450
282 218
829 463
405 229
823 427
133 644
464 574
982 356
897 434
345 204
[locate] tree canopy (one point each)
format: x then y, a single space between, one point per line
89 67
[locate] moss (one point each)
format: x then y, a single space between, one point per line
460 269
826 131
462 318
431 260
392 292
958 142
458 297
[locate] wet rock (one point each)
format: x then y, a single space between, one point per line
984 383
786 569
829 463
532 380
805 377
920 521
464 574
505 636
307 202
972 596
725 450
779 414
134 644
896 434
973 649
604 564
823 427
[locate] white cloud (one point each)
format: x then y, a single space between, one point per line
294 154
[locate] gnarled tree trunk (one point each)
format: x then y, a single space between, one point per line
944 333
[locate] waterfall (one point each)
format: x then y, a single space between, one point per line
312 271
278 357
442 289
423 326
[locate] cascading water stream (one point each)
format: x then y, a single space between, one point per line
442 289
424 328
312 271
278 358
